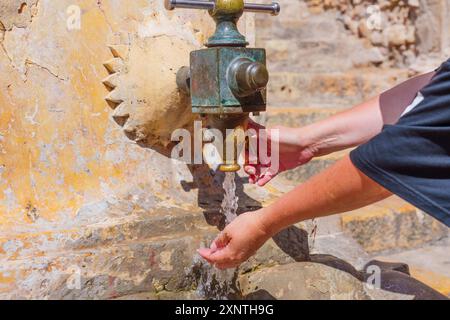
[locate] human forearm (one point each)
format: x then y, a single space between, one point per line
340 188
359 124
343 130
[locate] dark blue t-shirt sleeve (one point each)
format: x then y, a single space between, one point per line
412 158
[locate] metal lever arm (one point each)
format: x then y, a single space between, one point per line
273 9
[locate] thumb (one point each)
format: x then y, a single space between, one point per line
206 253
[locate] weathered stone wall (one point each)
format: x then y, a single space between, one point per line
75 192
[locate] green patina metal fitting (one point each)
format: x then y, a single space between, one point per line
227 77
210 86
226 14
211 89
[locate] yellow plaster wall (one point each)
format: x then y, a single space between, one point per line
59 148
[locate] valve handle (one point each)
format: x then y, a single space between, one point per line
273 9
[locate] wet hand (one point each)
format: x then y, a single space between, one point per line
292 153
237 242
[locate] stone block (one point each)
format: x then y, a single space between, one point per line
392 224
308 281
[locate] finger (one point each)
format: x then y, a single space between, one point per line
261 169
251 150
221 241
205 253
264 180
266 177
221 257
258 172
250 169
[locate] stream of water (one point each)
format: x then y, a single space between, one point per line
212 282
230 199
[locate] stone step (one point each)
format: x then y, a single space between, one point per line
429 264
294 55
331 89
315 28
162 264
392 224
435 280
110 257
328 278
139 226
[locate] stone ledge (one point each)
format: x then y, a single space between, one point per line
105 273
114 264
392 224
176 295
428 264
308 281
435 280
136 227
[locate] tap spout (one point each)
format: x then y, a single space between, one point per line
232 128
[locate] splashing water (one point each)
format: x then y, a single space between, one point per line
213 283
230 200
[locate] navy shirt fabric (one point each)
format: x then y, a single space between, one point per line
412 157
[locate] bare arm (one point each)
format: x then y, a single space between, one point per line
364 121
340 188
341 131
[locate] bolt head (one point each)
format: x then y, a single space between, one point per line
258 75
169 4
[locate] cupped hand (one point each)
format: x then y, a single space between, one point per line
237 242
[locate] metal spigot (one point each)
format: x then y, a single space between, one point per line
227 80
245 77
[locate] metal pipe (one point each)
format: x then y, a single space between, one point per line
189 4
273 9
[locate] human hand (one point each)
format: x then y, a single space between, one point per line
237 242
293 152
